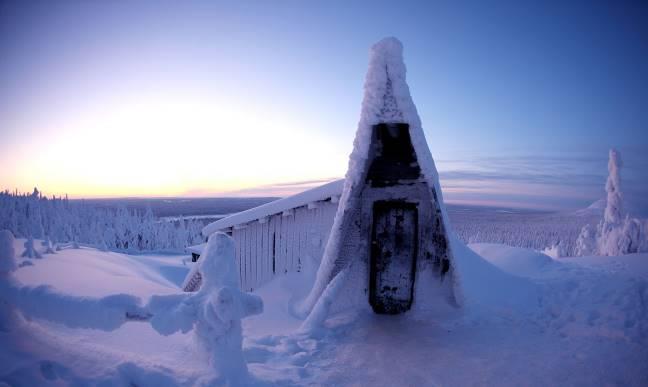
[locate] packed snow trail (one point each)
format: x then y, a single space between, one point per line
379 350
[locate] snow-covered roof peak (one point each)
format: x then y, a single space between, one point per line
389 47
386 93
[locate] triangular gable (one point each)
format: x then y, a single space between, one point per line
386 100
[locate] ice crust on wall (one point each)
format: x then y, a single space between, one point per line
386 100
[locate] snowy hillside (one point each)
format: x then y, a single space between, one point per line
584 323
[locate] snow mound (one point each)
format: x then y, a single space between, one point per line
584 296
514 260
487 288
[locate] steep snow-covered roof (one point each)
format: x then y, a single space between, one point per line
323 192
386 100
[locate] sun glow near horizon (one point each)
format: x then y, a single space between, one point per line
170 145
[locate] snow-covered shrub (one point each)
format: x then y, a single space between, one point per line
214 312
556 251
47 245
30 251
586 242
643 243
630 239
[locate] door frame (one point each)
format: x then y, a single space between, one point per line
372 264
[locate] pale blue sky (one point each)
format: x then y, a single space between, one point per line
519 101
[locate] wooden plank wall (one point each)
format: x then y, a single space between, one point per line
283 243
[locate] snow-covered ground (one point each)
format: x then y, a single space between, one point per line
589 326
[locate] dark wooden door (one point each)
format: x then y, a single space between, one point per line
394 241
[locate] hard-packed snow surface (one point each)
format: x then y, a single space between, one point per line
531 320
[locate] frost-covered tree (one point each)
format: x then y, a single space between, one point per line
617 233
555 251
30 251
586 242
47 246
214 312
71 223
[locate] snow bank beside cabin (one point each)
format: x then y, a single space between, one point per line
485 287
583 296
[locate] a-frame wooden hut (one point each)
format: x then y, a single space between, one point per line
391 227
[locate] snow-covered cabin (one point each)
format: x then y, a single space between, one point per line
389 243
386 242
277 237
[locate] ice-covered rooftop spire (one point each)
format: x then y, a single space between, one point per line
386 96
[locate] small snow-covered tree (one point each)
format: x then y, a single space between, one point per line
617 233
30 251
214 312
586 242
47 245
556 251
630 239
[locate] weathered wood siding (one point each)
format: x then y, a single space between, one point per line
282 243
